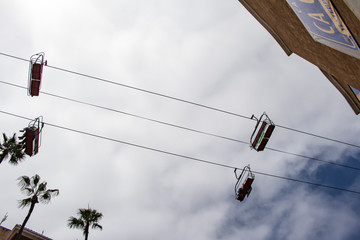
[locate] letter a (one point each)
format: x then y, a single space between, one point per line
318 16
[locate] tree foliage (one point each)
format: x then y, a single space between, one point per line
11 148
87 218
36 192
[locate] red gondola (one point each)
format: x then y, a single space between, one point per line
31 138
35 73
261 132
243 185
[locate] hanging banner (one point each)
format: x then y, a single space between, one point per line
325 25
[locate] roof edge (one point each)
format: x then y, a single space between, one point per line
26 233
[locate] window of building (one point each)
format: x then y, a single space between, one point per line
356 92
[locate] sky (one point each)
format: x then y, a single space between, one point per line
213 53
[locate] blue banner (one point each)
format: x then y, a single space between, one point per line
325 25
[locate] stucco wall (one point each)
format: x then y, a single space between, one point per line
343 68
354 5
4 233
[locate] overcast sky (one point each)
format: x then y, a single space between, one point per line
209 52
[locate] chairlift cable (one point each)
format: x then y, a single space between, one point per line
132 87
185 128
307 182
315 135
184 156
182 100
130 114
313 158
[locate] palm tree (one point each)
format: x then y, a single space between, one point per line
37 192
11 147
88 217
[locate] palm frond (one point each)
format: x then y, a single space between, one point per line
14 159
3 155
95 225
12 141
28 191
12 148
97 215
13 138
41 187
88 217
25 202
19 152
76 223
5 138
84 213
47 195
35 180
54 192
24 182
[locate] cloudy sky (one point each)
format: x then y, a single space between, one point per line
213 53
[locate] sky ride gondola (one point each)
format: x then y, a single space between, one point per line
31 139
243 185
262 133
35 73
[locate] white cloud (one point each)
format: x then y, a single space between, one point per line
212 53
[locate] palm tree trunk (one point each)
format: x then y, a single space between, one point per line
25 220
87 230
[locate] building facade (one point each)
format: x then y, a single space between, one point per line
27 234
323 32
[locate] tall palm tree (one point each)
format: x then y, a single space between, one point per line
88 217
11 147
37 192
